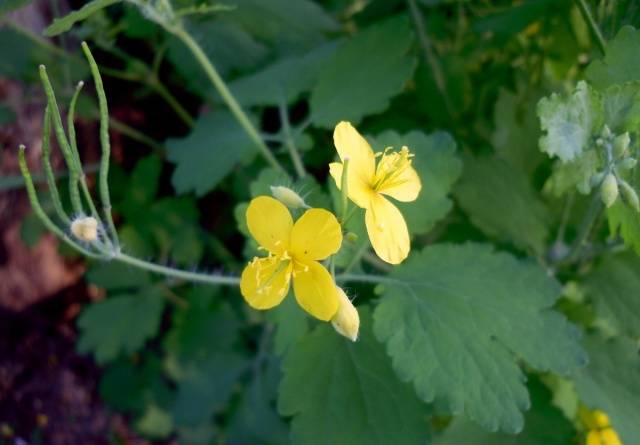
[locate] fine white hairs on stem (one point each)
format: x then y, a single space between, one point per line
85 228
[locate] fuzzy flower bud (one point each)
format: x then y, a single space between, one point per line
85 228
346 321
609 190
621 144
288 197
629 195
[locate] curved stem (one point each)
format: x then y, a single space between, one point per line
177 273
170 99
229 99
588 17
289 141
592 214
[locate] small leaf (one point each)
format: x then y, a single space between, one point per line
437 165
120 324
457 320
611 383
622 107
208 154
569 121
614 286
621 63
364 74
335 399
625 221
65 23
502 203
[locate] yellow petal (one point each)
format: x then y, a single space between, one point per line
315 290
609 437
350 144
359 191
593 438
315 235
405 187
387 230
600 418
346 321
270 223
265 281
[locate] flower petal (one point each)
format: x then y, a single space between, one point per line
387 230
358 190
349 143
315 235
270 223
315 290
265 282
405 187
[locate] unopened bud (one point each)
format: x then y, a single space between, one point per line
288 197
606 132
352 237
609 190
629 195
85 228
627 163
346 321
621 144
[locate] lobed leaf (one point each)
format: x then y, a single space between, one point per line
621 62
65 23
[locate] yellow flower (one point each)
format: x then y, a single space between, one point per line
367 185
601 432
294 252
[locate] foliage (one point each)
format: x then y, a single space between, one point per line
516 310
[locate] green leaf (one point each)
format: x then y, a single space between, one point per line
9 5
283 81
611 383
208 153
614 286
625 221
622 107
142 186
155 422
120 324
117 276
341 392
621 63
574 175
65 23
364 74
544 425
502 203
439 167
292 323
458 319
569 121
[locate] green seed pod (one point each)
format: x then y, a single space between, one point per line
629 196
288 197
609 190
621 145
627 163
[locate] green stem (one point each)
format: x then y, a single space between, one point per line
593 26
164 92
177 273
357 257
48 170
136 135
289 141
104 143
74 179
40 213
228 97
592 214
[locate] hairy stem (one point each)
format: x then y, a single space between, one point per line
593 26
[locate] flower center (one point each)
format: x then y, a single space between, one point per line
267 272
390 168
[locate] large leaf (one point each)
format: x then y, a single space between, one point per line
622 107
625 221
120 324
65 23
208 154
364 74
614 286
544 425
569 121
501 202
341 392
611 383
456 321
439 167
621 62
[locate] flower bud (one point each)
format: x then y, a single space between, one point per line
627 163
606 132
346 321
629 195
85 228
609 190
288 197
351 237
621 144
